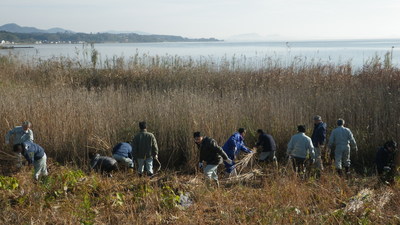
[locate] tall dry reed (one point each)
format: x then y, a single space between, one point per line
73 105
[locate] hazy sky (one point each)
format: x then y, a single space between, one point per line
291 19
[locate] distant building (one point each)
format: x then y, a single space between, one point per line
3 42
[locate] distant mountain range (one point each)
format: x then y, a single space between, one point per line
15 28
12 32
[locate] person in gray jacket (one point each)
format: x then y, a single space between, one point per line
341 139
20 134
299 147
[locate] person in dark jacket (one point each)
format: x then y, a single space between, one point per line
268 147
232 148
385 161
122 152
35 155
102 164
211 154
318 138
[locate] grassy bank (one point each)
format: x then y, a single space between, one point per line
70 196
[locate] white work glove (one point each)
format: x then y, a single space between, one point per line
274 158
228 161
200 165
156 157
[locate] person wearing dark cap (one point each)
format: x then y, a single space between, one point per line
268 147
35 155
341 139
318 138
299 147
145 149
232 148
385 161
211 154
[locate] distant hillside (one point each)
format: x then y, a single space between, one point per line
17 34
15 28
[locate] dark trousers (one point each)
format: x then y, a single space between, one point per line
298 164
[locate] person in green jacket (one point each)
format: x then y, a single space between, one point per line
145 149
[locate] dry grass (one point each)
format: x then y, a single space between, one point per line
69 104
69 196
75 108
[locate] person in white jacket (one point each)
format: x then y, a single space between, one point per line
299 147
19 135
341 138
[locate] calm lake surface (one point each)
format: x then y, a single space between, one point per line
357 52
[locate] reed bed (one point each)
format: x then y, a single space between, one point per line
70 102
80 106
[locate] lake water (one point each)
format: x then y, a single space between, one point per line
357 52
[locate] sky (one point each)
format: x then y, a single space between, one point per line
274 19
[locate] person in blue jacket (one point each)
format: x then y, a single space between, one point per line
122 152
35 155
318 138
232 148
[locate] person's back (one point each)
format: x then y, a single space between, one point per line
318 136
103 164
123 149
341 137
267 142
144 144
35 155
32 151
122 152
145 149
300 145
